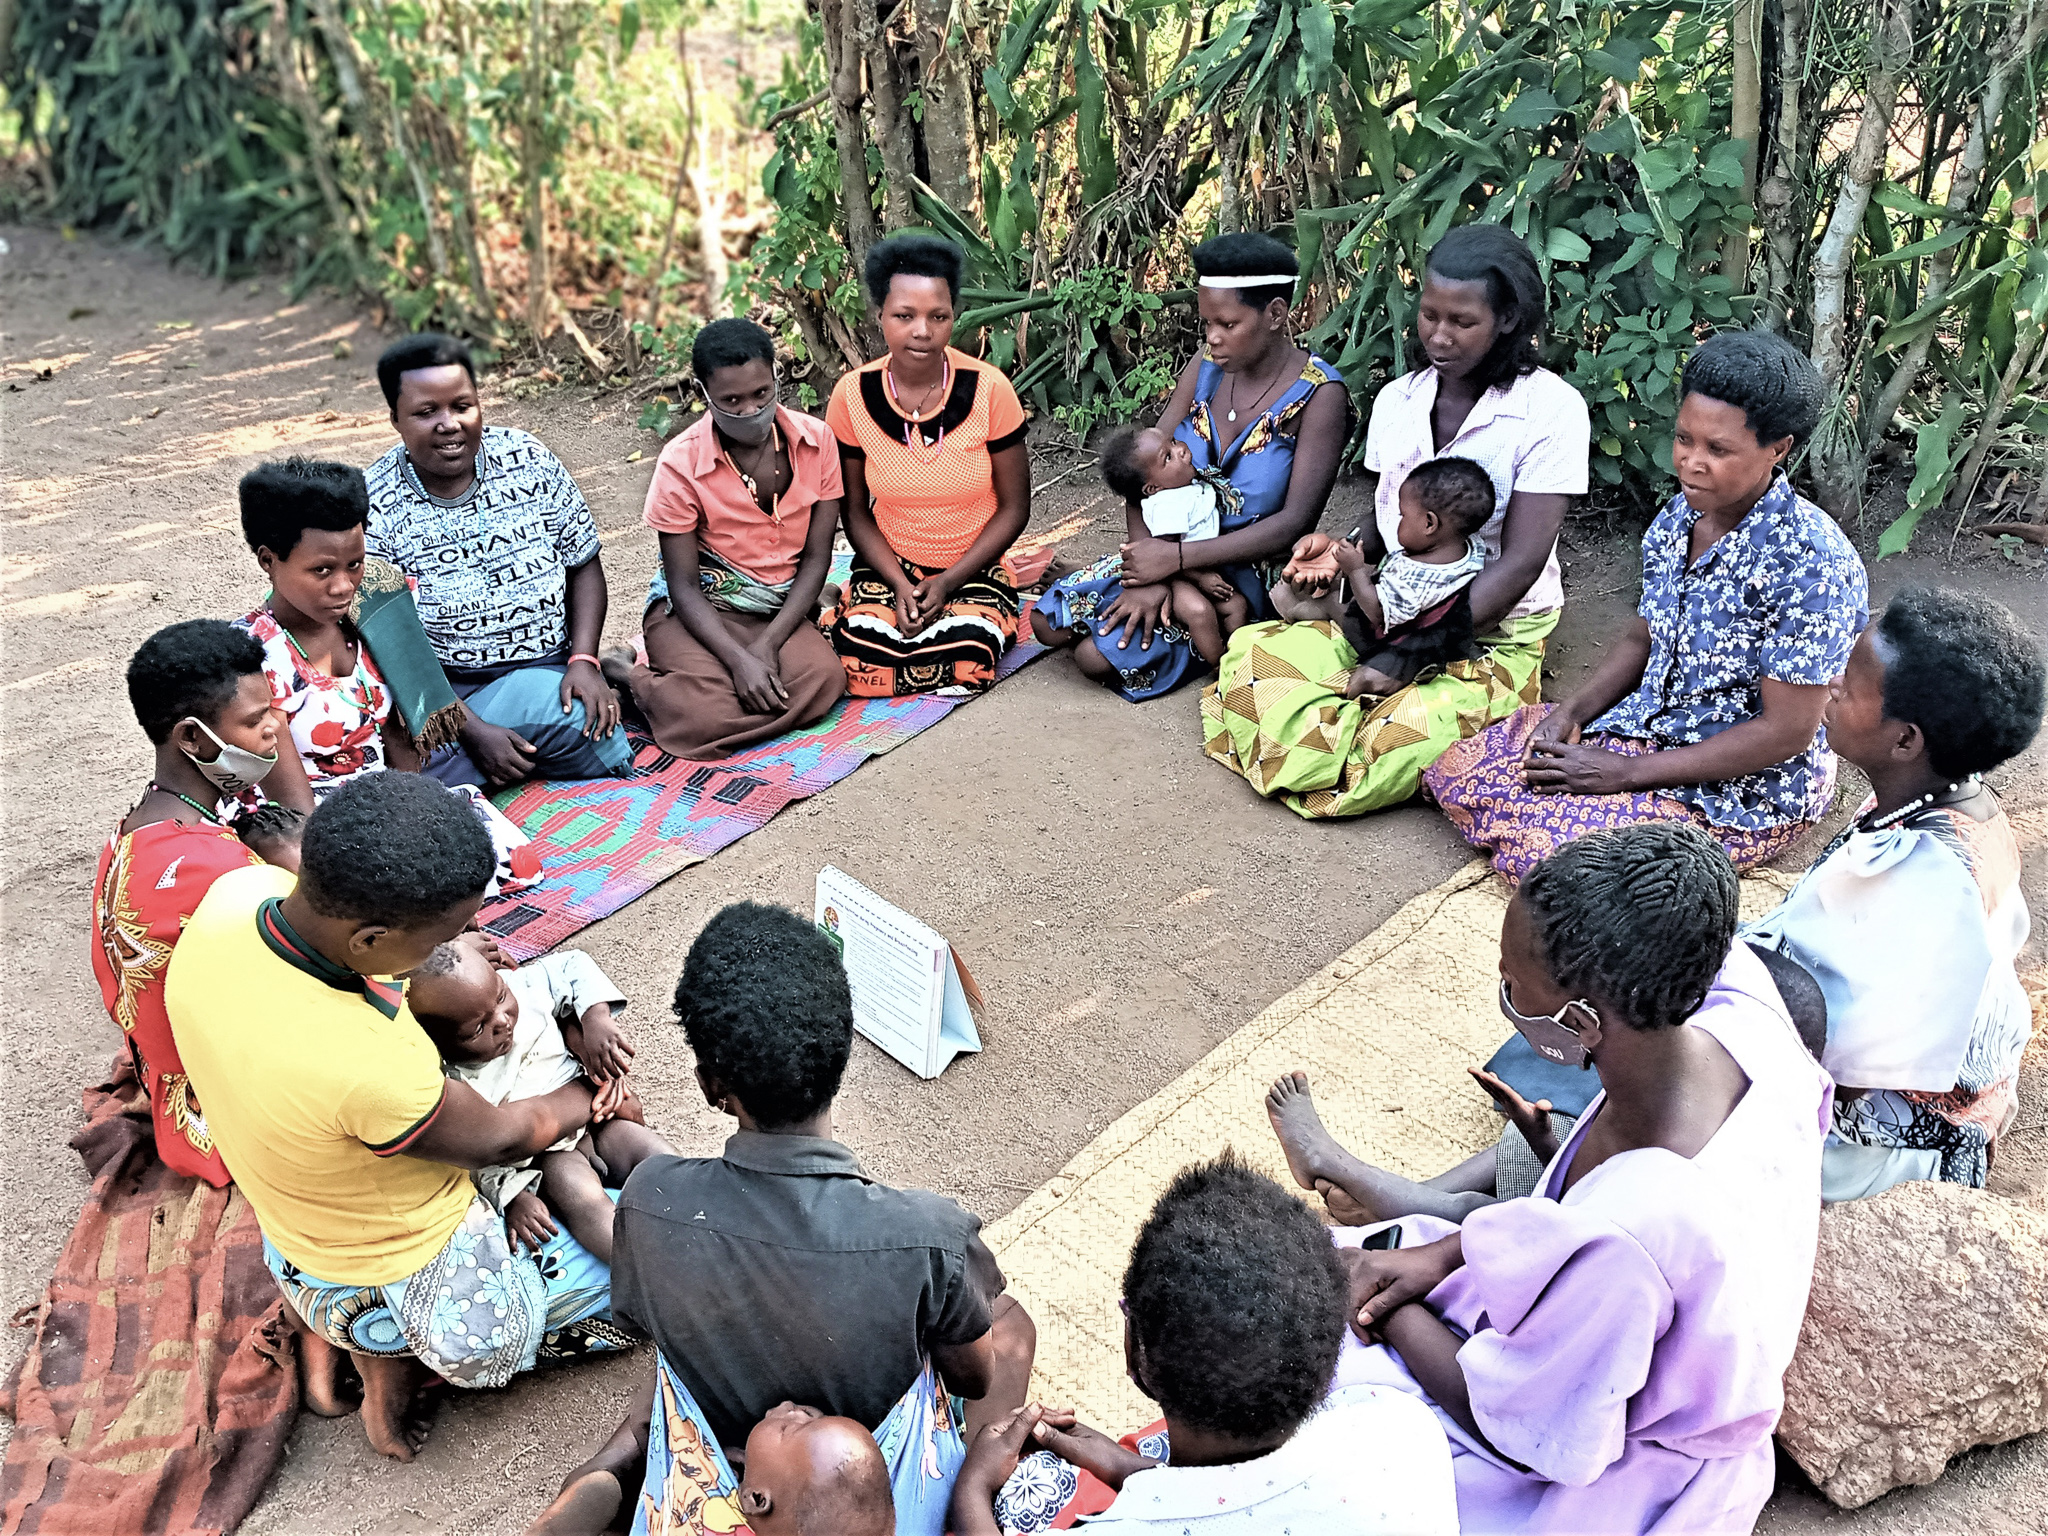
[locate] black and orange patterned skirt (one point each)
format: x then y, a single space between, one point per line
957 652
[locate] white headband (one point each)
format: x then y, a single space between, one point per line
1274 281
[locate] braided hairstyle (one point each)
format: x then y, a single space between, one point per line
1639 918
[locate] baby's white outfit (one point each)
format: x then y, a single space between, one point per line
1185 512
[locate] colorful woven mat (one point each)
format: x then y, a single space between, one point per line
605 842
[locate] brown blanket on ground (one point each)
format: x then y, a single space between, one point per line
160 1387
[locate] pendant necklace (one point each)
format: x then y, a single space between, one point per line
917 416
753 489
1256 403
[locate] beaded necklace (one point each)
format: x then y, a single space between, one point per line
212 816
361 697
1893 818
754 490
917 417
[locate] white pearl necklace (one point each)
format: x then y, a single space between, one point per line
1893 818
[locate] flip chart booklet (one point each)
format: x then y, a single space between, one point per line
911 994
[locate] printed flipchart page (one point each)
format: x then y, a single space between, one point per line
895 965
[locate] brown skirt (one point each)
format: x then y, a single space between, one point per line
687 695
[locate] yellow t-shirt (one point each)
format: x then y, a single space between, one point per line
313 1082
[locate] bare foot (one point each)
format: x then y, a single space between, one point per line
617 664
1313 1156
398 1404
586 1506
1370 682
1343 1209
327 1381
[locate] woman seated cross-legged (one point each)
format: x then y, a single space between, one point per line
1913 917
1608 1355
746 501
938 487
1234 1311
1707 706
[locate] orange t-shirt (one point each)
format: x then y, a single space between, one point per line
931 500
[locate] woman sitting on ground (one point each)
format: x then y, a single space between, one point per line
1912 918
1234 1307
745 501
199 694
1707 706
1609 1355
1483 397
1265 413
938 487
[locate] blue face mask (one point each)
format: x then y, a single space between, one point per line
236 769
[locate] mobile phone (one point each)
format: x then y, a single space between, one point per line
1386 1237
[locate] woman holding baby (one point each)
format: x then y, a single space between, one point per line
1483 398
1266 415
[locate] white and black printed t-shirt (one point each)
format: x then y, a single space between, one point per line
493 565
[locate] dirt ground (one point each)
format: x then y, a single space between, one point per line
1124 903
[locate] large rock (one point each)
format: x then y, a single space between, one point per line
1927 1335
2019 1161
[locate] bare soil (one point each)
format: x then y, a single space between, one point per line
1124 903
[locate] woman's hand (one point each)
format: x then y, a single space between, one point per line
505 756
1578 770
931 596
583 684
1148 561
757 681
1385 1280
1532 1120
527 1221
1558 728
1075 1443
991 1460
1141 611
1313 567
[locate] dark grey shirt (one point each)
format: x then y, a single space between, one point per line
781 1272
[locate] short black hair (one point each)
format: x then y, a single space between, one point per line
441 961
270 822
1639 918
1801 994
1965 671
429 349
914 256
1249 255
1456 490
728 344
1236 1300
1776 385
764 1001
1495 255
1120 471
193 668
393 848
282 499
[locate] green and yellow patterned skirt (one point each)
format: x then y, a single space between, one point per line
1277 715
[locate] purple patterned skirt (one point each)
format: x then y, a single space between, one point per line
1479 784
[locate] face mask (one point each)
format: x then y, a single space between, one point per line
750 430
236 769
1547 1033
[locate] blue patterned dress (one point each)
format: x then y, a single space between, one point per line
1260 462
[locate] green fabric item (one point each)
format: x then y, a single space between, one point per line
385 616
728 587
1277 714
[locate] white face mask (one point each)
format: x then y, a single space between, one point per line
236 769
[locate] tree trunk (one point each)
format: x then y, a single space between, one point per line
1745 126
2022 36
1781 198
895 133
704 188
284 59
948 91
533 150
843 59
1837 461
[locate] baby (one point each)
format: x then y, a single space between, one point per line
1416 611
521 1033
272 832
1182 502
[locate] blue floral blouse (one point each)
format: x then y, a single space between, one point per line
1782 595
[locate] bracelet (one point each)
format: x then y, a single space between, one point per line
586 656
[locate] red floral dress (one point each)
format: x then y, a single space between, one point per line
149 881
337 723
